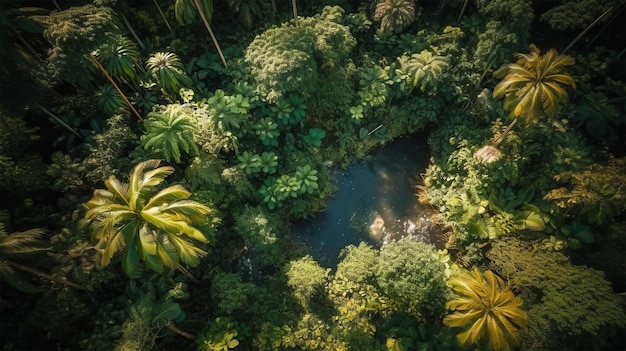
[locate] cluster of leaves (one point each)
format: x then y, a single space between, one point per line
566 303
154 227
486 307
20 170
288 58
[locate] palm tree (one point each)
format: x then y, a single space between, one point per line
534 85
20 245
169 131
168 72
120 57
185 11
487 308
153 228
424 69
394 15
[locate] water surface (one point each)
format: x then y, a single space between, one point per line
375 202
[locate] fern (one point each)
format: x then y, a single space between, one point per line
170 132
424 69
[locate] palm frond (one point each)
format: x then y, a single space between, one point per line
26 242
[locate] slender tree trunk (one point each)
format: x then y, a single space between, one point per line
133 33
59 121
505 132
45 275
587 30
274 8
295 9
171 326
167 23
462 11
108 77
608 23
208 28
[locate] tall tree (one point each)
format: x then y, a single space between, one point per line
154 228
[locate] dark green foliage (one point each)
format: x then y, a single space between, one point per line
168 72
597 193
20 170
262 231
68 174
109 100
394 15
74 34
404 332
120 58
230 293
15 23
148 315
567 304
577 14
410 274
109 155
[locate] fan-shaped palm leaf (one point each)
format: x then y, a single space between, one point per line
171 132
424 69
394 15
154 228
120 58
486 308
14 246
168 72
535 84
109 100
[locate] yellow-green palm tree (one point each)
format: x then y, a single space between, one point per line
154 228
487 308
535 84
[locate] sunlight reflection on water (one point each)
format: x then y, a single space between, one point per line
375 202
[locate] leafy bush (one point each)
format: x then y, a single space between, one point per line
289 58
306 277
567 304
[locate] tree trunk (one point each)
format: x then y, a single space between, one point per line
505 132
587 30
58 120
171 326
108 77
208 28
274 8
295 9
167 23
45 275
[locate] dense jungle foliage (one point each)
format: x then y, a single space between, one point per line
154 154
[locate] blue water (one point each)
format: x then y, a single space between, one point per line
375 202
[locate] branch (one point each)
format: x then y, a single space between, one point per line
45 275
108 77
171 326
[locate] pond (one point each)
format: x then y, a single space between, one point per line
375 202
